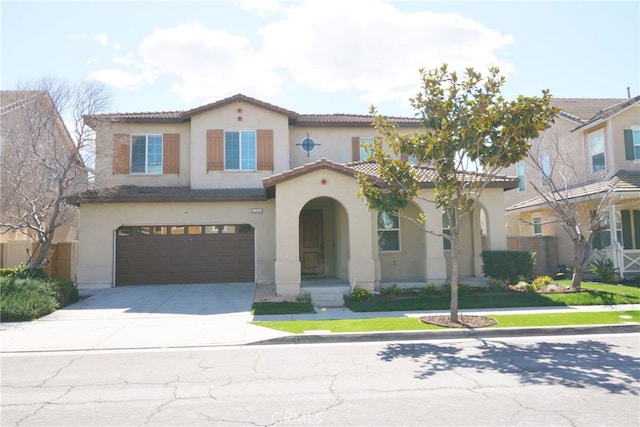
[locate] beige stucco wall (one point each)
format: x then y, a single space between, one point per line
291 197
335 143
625 120
104 155
236 116
98 222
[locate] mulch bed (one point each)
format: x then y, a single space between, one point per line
464 321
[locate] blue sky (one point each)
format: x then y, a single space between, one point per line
318 56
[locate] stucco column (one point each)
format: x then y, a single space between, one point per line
362 267
493 201
477 242
435 262
287 265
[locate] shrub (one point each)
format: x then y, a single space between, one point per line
358 294
462 289
304 297
508 265
22 271
495 286
603 268
393 290
541 281
30 298
430 290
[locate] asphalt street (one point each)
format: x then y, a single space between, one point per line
580 380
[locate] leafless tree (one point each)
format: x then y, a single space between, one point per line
579 205
47 153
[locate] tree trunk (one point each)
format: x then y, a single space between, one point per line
577 278
454 279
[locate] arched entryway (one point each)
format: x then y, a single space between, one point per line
324 239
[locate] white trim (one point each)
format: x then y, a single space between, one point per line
224 150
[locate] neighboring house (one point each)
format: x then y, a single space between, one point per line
242 190
33 136
601 137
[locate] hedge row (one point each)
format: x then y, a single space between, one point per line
31 298
509 266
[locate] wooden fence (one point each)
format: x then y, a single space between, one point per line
62 257
545 248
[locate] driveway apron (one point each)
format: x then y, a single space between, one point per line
148 316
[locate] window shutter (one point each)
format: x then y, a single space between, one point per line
355 148
264 142
171 153
628 144
215 149
121 153
627 241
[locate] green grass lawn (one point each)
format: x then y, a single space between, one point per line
414 324
595 294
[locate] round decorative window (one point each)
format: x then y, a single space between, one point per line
308 144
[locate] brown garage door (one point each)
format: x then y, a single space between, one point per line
185 254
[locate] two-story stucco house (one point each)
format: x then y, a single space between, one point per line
244 191
600 141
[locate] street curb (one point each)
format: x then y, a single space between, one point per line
449 334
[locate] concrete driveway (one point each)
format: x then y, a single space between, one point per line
152 316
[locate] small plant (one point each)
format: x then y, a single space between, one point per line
359 294
393 290
552 288
541 281
430 290
522 286
495 286
564 272
304 297
603 268
462 289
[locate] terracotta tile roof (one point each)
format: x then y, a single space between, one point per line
308 168
133 193
622 182
333 120
426 175
11 99
587 110
350 120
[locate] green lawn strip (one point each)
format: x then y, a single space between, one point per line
413 324
597 294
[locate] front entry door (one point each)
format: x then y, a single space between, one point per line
311 242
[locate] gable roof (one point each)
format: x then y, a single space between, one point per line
622 182
332 120
13 99
584 111
426 174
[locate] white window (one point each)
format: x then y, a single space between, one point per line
636 143
388 232
240 150
521 184
545 164
146 154
596 150
366 146
537 226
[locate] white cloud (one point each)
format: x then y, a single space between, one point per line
101 38
261 6
122 79
209 62
374 48
327 45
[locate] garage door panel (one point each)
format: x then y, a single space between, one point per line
144 258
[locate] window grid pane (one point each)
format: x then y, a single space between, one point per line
232 150
248 153
154 154
138 154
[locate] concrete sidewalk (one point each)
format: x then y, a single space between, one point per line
174 316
